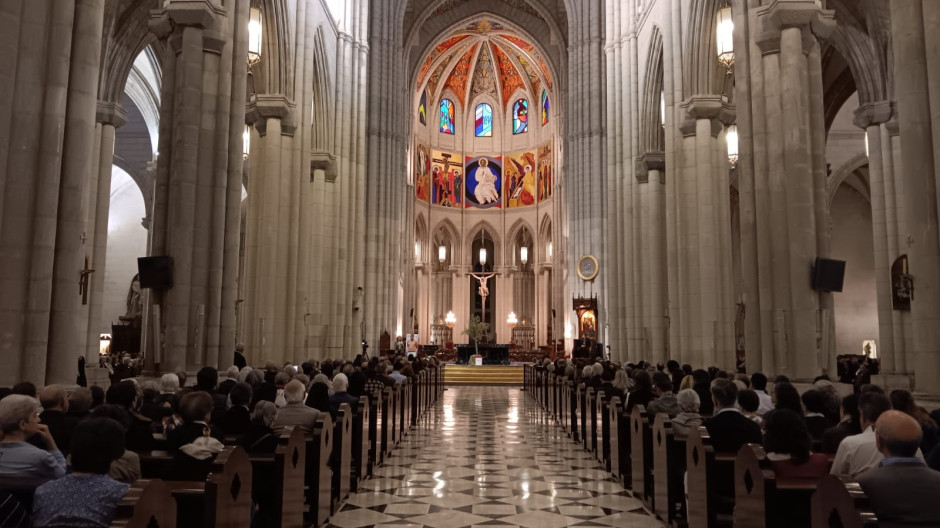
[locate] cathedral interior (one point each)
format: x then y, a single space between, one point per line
748 184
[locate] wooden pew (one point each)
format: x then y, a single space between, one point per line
624 444
582 415
614 408
289 463
573 403
707 507
764 501
841 503
385 429
404 408
594 433
603 435
641 455
376 429
361 443
391 420
147 504
318 475
341 461
668 473
222 500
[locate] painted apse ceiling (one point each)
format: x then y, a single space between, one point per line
484 57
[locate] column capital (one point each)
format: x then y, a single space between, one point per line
649 162
875 113
714 108
271 106
323 161
109 113
806 15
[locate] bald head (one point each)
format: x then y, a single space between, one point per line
898 435
294 392
54 397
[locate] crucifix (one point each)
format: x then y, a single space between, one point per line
83 282
484 291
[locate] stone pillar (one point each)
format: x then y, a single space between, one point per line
914 65
654 165
109 117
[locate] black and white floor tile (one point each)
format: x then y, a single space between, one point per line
487 456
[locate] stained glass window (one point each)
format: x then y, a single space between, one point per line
520 117
423 108
484 121
447 117
545 107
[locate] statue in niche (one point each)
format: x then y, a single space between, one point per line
134 300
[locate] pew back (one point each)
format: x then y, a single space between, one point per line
147 504
841 503
289 463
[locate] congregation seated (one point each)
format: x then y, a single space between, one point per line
125 468
688 417
642 391
260 436
261 389
816 420
19 419
341 395
759 386
902 400
665 401
88 496
237 418
859 453
701 383
728 428
749 403
849 425
195 443
55 405
139 436
788 444
319 397
295 412
226 385
787 397
79 403
903 491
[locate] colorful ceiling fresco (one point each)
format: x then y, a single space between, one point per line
460 76
509 77
439 50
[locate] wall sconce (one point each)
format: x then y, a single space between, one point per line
441 253
732 139
724 36
549 250
524 255
246 142
254 35
662 109
450 319
483 256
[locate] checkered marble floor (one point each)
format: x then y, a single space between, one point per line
487 456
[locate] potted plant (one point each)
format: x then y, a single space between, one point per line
475 330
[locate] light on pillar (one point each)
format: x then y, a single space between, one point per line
246 141
418 251
724 36
662 109
866 144
254 35
450 319
732 139
441 253
524 254
483 256
549 250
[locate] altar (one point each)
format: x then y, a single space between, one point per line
492 354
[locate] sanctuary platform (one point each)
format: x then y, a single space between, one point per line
483 375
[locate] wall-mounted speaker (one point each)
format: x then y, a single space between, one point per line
828 275
155 272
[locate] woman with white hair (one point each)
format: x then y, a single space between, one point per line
689 418
341 395
19 419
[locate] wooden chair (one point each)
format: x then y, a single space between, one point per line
361 443
641 455
147 504
840 503
668 473
317 475
341 461
762 500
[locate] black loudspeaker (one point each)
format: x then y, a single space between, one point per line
155 272
828 275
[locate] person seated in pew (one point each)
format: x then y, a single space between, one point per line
357 383
295 412
319 396
55 405
236 419
902 400
728 428
849 425
139 436
608 387
125 468
665 401
859 453
261 389
226 386
787 443
814 403
688 417
19 419
196 443
749 402
701 383
787 397
260 436
903 491
759 385
80 403
88 496
642 391
280 380
341 395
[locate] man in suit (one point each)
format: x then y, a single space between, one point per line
295 412
728 428
902 489
231 376
55 405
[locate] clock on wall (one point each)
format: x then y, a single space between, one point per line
587 267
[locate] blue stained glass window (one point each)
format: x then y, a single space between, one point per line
448 117
520 117
423 108
545 107
484 120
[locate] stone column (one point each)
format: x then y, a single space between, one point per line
913 65
654 164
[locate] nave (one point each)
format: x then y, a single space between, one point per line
490 456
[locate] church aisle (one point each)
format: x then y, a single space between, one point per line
487 456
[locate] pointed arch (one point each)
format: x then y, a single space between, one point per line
492 233
422 240
518 227
652 135
520 116
453 236
447 117
703 73
322 122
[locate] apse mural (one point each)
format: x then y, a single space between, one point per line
422 170
448 117
520 117
423 108
509 77
484 180
520 180
439 50
446 179
545 171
